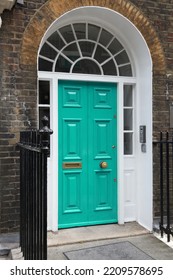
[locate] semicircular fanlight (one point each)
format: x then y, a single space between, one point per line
86 49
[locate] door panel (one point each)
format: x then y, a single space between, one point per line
87 129
102 191
72 145
71 195
102 131
102 98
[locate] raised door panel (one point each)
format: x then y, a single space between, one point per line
102 132
102 98
72 139
129 195
72 200
103 192
72 97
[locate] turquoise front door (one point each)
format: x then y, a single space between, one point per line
87 191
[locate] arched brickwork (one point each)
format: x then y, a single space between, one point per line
53 9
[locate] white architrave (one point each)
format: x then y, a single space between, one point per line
6 4
134 171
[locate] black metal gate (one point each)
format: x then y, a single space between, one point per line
34 150
166 183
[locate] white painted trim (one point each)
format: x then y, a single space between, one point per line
54 165
140 57
86 77
53 161
120 148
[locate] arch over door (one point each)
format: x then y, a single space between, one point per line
135 45
87 153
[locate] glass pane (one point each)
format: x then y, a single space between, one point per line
128 96
80 30
44 92
67 33
125 71
93 32
101 54
128 119
122 58
109 68
87 48
45 65
43 112
86 66
56 41
115 46
105 37
128 143
62 65
47 51
72 52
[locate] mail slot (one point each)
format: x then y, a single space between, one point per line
70 165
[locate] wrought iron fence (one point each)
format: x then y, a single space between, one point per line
34 150
165 145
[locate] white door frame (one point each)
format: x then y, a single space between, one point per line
140 163
53 160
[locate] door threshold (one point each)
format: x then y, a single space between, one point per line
94 233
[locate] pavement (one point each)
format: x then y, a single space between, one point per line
8 241
69 240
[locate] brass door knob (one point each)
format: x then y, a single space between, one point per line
103 164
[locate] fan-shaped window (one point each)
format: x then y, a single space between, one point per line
84 48
87 66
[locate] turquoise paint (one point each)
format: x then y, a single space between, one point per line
87 132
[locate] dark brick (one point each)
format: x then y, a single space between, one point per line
18 88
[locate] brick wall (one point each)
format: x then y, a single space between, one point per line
18 85
160 15
17 108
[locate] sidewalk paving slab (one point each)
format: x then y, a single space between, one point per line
147 243
66 240
8 241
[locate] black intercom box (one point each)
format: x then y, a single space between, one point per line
142 131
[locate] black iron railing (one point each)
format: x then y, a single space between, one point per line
34 150
166 183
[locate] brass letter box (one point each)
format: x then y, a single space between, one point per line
72 165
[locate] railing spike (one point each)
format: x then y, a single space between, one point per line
34 149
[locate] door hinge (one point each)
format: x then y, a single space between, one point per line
115 116
115 179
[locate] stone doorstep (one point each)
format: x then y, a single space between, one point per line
16 254
94 233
